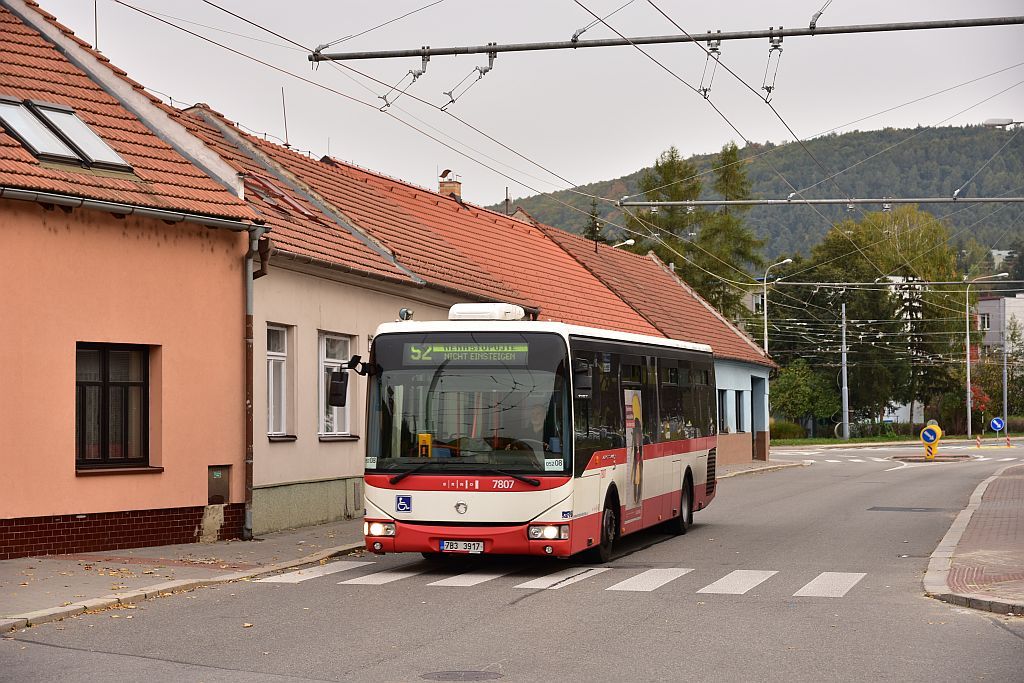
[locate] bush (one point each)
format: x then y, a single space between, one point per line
1015 423
782 429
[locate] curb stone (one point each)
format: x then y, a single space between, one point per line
12 624
935 585
148 592
770 468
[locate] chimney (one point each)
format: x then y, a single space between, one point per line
448 184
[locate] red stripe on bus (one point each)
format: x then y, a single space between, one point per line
434 481
651 451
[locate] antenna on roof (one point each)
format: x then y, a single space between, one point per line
95 26
284 111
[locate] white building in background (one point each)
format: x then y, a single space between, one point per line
996 315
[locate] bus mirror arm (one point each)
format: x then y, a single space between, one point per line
356 365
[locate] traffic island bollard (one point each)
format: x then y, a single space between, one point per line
930 437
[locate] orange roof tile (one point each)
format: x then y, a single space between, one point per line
31 67
517 254
663 299
298 226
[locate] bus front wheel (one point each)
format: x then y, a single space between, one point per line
609 530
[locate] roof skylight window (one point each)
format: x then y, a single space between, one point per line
33 133
82 136
54 132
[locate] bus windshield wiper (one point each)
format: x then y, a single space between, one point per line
526 480
412 470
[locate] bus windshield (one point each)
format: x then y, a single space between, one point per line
469 402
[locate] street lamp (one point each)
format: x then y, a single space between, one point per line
1000 123
967 338
627 243
764 300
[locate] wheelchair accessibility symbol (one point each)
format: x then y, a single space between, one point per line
403 503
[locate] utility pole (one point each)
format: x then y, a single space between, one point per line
846 389
1003 325
772 33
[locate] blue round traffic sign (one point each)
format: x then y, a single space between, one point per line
997 424
929 435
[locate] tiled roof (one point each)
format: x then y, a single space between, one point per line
379 213
668 303
32 68
298 226
518 254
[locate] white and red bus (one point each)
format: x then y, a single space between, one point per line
487 433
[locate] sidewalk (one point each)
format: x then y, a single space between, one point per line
35 590
980 561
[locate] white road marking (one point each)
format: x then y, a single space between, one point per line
833 461
980 459
810 462
829 585
312 572
379 578
563 578
880 459
737 582
471 578
1006 459
855 460
649 580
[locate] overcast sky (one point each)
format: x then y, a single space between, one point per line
586 115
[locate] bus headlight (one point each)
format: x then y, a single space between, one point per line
548 532
378 528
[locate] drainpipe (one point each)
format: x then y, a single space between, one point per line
254 238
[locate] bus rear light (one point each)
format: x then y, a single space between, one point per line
378 528
548 532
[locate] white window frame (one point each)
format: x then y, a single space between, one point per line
341 414
275 358
984 322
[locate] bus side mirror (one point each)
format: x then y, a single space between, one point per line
337 391
582 381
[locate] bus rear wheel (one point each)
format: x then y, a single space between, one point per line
684 521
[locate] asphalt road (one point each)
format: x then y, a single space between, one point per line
804 574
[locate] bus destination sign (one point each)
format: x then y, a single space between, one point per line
466 354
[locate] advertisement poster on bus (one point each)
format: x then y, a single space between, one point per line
633 495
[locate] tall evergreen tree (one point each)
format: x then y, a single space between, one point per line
709 248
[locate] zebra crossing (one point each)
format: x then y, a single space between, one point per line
736 582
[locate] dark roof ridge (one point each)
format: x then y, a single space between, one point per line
242 142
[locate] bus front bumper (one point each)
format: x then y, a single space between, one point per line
497 540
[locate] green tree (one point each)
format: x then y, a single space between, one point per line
800 393
900 336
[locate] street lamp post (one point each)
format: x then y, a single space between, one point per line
628 243
967 338
764 300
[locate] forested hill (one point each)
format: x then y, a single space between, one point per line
922 162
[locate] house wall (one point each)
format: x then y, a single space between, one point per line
311 479
85 276
737 443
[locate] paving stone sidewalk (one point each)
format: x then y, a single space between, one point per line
34 590
980 562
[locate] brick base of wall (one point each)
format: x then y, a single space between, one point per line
59 534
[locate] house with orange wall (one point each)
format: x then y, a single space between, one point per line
122 320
